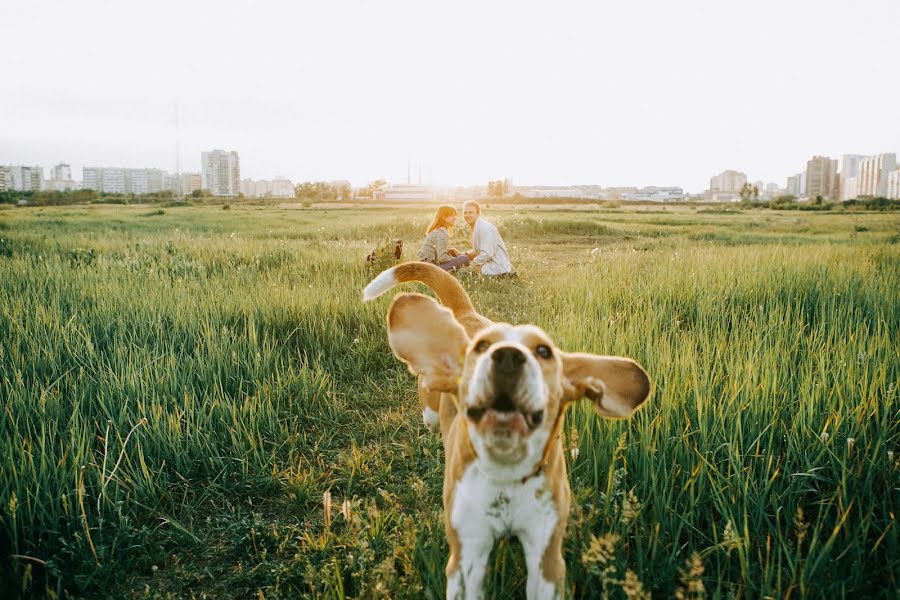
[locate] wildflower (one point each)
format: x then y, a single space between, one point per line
800 525
631 506
824 435
850 443
573 441
345 510
730 538
633 588
601 552
691 585
326 506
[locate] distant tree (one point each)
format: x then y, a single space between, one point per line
749 192
316 191
498 189
346 193
373 190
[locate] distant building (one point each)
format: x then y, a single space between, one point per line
191 182
5 181
793 187
115 180
654 193
155 179
726 186
106 180
136 181
873 174
849 170
24 178
280 187
408 192
61 172
619 193
221 172
849 191
60 178
820 177
893 185
542 191
728 181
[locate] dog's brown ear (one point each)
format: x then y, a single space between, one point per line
615 385
425 336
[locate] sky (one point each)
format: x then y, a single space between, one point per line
562 93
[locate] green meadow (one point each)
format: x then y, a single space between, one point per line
195 403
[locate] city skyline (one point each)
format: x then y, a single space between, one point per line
627 96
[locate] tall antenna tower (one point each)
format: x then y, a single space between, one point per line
178 186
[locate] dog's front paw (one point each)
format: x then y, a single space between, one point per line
432 419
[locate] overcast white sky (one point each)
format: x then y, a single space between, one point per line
612 93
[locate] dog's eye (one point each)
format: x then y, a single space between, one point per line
543 351
482 346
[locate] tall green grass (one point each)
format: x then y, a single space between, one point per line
178 393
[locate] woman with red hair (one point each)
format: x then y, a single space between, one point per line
436 247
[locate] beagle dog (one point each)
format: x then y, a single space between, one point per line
502 391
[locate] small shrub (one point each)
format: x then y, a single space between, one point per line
226 207
385 255
154 213
79 257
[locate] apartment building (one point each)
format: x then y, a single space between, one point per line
893 185
872 180
849 170
221 172
821 178
21 178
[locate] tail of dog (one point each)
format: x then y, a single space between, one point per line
448 289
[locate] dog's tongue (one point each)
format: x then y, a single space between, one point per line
512 420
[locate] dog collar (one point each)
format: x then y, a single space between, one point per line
554 433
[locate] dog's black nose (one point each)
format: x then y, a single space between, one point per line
508 360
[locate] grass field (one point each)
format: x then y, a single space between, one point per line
182 387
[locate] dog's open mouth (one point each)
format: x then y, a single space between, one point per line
504 417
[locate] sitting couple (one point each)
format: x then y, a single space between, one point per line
488 255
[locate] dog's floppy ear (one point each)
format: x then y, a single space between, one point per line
425 336
615 385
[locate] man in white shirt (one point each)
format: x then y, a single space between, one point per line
489 255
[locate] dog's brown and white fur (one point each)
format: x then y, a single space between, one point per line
501 392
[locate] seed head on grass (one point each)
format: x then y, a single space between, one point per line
326 507
633 588
631 506
730 538
800 526
691 585
600 554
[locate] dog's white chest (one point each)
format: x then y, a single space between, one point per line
515 508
